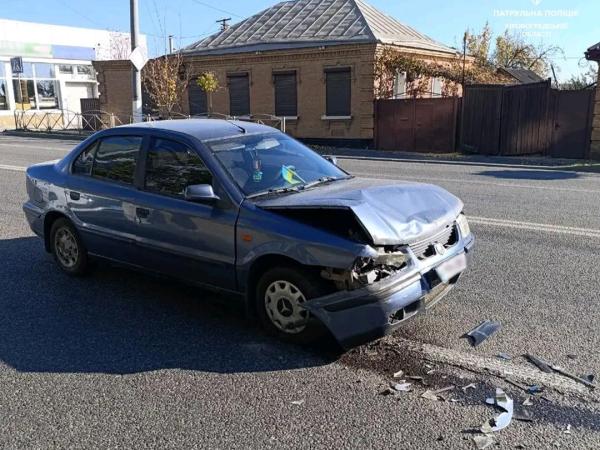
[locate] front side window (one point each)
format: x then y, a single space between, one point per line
272 161
171 167
116 158
84 162
338 87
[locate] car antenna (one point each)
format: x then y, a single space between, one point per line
238 126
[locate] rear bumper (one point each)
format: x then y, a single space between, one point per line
35 218
362 315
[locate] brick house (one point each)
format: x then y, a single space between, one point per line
309 60
593 54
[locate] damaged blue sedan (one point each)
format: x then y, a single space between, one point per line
246 210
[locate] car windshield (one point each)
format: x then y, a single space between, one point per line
272 163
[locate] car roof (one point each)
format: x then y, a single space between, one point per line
204 129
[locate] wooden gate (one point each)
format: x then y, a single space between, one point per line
572 125
506 120
526 119
417 125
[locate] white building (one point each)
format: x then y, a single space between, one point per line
57 65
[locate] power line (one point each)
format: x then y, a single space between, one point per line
217 9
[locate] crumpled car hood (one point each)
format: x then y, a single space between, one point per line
391 212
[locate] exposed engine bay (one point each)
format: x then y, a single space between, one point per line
367 271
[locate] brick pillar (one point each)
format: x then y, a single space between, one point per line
595 147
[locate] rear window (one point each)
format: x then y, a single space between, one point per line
116 158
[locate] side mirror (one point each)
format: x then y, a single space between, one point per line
331 159
201 193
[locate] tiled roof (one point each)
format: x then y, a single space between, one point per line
310 23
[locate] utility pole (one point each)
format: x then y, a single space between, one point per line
224 24
171 43
466 35
136 79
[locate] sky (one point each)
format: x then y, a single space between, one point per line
570 24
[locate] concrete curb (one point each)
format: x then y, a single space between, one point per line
43 135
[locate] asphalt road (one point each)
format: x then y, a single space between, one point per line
121 359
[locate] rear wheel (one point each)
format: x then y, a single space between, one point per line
280 294
67 248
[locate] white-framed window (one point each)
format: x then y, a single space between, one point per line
399 85
436 87
36 87
3 88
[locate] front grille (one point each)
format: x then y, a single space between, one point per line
425 249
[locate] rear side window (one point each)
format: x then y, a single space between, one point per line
84 162
116 158
172 166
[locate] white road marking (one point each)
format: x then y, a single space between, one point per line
485 183
13 168
575 231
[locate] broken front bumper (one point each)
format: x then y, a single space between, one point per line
362 315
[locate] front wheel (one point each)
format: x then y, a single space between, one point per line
280 294
67 248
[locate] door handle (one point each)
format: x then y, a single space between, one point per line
74 195
142 213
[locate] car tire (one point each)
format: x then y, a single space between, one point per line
67 247
279 291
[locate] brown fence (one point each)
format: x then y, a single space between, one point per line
526 119
418 125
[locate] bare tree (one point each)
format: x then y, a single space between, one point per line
165 79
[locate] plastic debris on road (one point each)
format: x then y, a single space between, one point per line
483 441
483 331
504 356
402 386
469 386
298 402
527 402
539 363
398 374
504 402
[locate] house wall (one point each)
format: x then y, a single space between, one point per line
114 87
595 146
310 65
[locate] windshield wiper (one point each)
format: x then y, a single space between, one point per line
321 180
283 190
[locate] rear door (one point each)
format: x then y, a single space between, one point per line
188 240
102 193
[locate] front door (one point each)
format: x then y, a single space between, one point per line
188 240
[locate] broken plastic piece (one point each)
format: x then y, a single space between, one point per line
568 429
541 364
399 374
483 331
524 415
403 386
504 402
298 402
483 441
527 402
535 389
469 386
504 356
430 395
574 377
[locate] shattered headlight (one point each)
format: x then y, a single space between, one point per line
463 225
